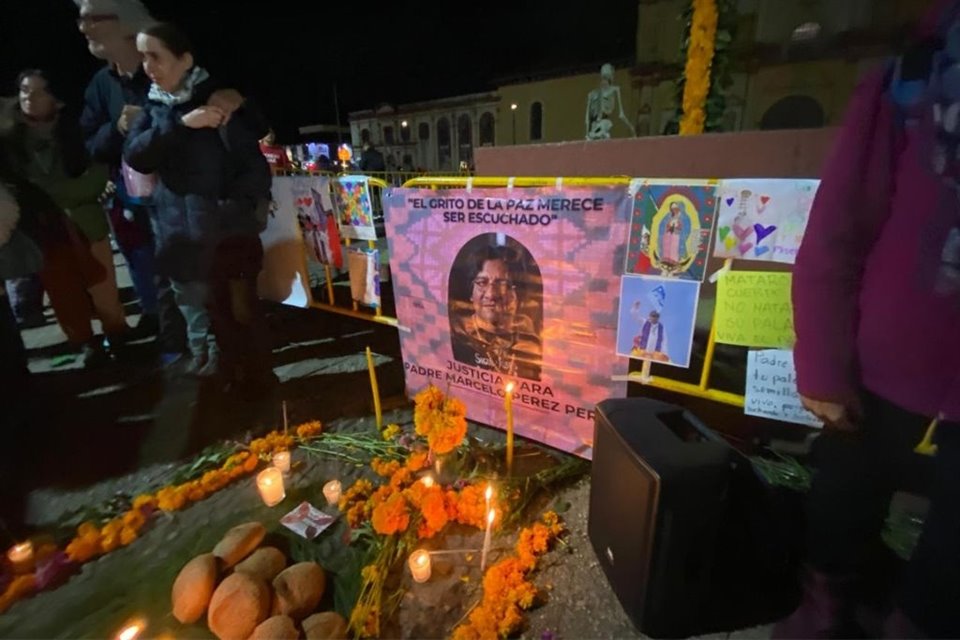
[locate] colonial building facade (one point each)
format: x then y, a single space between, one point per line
794 65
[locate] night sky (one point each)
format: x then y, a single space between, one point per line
288 54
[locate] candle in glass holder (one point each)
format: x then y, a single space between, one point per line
331 491
270 484
420 565
21 557
281 460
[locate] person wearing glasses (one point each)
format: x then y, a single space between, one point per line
494 331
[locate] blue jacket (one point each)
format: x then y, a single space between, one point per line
104 99
210 181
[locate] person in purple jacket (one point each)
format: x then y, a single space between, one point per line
877 316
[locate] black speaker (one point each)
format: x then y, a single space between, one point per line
676 517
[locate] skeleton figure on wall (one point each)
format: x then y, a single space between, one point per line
601 103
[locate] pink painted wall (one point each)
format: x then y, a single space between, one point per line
748 154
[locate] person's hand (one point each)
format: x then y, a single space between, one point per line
227 100
127 116
844 416
109 190
204 118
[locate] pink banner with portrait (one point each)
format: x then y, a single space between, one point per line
513 285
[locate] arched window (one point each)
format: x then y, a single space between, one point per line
364 136
423 131
443 143
388 135
465 137
405 133
487 129
536 121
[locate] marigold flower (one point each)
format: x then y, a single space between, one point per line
391 431
309 429
391 516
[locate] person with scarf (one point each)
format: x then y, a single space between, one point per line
113 98
876 310
211 179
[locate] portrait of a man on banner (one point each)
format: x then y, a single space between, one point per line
496 307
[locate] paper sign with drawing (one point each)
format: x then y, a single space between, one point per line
763 219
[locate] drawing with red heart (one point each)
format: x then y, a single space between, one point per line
763 232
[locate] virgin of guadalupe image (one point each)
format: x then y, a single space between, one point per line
495 307
674 231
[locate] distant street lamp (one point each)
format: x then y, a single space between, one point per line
513 114
404 124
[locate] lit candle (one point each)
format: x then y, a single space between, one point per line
331 491
488 495
508 405
491 515
428 481
132 630
420 565
270 484
21 557
281 460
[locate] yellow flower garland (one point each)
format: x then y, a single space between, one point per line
703 34
92 540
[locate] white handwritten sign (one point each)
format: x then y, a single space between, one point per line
772 388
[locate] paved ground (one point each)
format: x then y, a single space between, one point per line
124 428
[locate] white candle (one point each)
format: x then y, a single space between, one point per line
270 484
21 557
331 491
281 460
491 515
420 565
132 631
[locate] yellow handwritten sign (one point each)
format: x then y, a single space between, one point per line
754 309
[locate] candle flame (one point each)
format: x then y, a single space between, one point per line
488 493
427 481
509 387
132 630
423 559
490 516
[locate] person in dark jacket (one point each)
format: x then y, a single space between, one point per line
372 159
112 99
44 146
211 178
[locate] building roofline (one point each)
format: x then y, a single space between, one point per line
424 105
